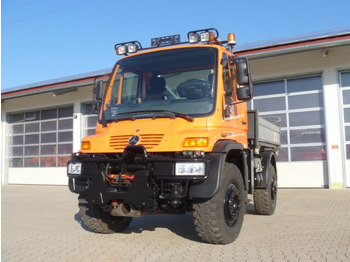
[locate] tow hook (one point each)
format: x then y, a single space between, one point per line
124 210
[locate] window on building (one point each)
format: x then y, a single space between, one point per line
296 105
345 94
90 120
42 138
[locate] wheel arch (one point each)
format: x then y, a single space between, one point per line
224 151
268 157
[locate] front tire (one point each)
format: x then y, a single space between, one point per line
99 221
219 220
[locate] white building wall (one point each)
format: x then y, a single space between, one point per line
330 173
43 175
314 173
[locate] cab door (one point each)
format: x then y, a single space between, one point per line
235 111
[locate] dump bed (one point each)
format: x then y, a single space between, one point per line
262 133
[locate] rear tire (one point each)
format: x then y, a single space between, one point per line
265 200
99 221
219 220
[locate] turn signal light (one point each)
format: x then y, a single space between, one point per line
85 145
196 142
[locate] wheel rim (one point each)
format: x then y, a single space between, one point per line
274 188
232 205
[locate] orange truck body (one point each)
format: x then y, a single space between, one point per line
167 135
174 135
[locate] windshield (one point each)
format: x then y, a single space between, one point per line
165 83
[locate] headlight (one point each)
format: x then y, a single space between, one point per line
190 169
74 168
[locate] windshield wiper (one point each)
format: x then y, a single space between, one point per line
152 114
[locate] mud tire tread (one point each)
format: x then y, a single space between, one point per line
101 222
208 215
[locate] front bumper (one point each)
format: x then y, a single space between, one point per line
134 177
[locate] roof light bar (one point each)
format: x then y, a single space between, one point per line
203 35
208 35
127 47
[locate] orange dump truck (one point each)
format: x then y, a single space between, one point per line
174 135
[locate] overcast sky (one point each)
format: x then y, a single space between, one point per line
45 39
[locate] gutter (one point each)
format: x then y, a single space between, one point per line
298 47
57 88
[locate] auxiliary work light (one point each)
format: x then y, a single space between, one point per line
74 168
127 47
193 38
122 50
190 169
203 35
132 48
207 37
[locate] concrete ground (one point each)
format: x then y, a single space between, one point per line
41 223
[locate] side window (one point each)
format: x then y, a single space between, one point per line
228 74
116 84
130 85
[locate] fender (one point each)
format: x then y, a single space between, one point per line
217 158
267 158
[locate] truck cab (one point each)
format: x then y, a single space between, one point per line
174 135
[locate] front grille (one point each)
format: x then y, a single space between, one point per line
149 141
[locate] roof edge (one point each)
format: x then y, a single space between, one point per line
302 38
60 80
54 84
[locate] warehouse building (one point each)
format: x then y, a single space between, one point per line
302 83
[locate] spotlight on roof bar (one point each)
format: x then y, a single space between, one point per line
121 50
127 47
207 37
193 38
132 48
203 35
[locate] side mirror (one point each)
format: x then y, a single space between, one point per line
244 92
97 96
243 74
98 91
